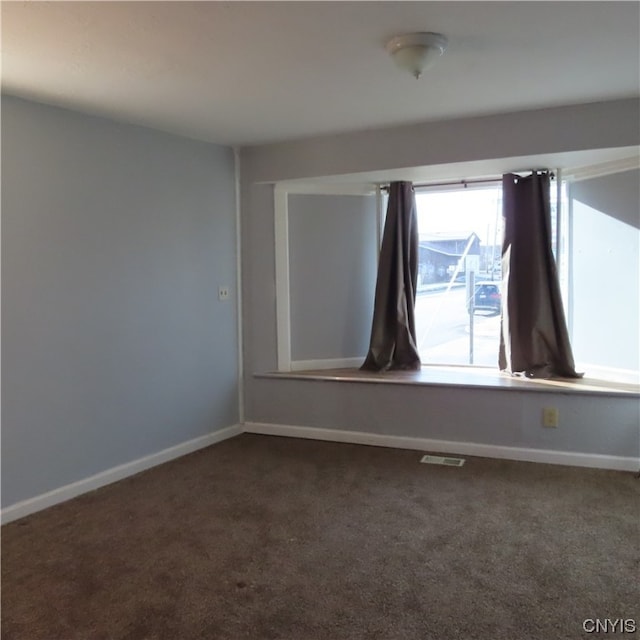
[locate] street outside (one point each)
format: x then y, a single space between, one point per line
442 329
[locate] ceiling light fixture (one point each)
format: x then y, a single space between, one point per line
415 52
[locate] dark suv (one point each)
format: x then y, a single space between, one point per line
487 297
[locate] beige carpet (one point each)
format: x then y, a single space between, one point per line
265 537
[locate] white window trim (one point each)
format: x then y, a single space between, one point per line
281 194
282 274
283 310
601 169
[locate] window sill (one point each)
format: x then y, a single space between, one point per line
469 377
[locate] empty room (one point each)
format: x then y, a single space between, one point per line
320 320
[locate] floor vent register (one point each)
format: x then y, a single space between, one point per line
449 462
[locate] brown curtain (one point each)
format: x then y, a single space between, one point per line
393 331
534 340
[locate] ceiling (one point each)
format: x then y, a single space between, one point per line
246 73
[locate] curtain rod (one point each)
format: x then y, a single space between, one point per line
452 183
463 183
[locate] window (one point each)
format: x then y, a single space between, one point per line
323 304
458 300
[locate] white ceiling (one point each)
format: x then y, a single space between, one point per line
256 72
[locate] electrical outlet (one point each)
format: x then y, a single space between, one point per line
550 417
223 293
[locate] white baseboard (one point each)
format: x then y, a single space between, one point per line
523 454
26 507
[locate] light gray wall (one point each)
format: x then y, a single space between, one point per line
599 425
332 265
114 345
605 298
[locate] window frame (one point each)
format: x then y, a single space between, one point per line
282 190
281 193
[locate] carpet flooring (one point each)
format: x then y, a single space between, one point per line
262 537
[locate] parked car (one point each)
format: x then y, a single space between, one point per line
487 296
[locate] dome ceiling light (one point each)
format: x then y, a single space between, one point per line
415 52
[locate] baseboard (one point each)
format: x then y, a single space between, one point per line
32 505
569 458
26 507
